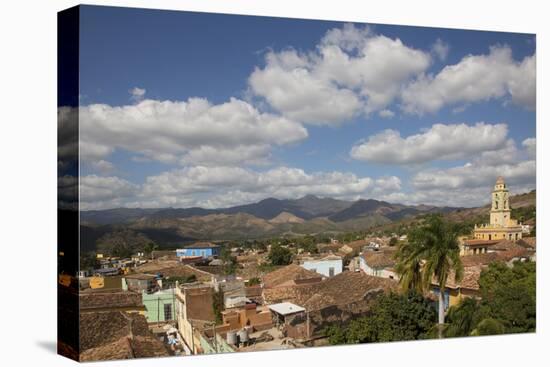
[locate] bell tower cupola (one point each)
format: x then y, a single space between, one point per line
500 209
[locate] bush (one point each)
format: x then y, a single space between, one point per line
279 255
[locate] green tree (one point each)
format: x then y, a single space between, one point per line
509 295
218 305
507 304
489 327
393 241
430 254
150 247
393 317
122 242
229 261
462 318
279 255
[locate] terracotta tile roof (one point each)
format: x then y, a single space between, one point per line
126 348
505 245
475 243
344 288
380 259
288 275
474 264
98 328
281 294
480 259
354 246
117 335
529 242
513 253
115 350
470 278
109 298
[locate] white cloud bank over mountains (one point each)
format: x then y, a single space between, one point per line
214 187
470 184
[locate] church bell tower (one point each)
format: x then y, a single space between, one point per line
500 209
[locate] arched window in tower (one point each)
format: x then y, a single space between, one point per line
505 204
496 204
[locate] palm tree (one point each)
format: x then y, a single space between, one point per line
409 268
431 254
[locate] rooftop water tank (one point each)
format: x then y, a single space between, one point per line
243 336
231 337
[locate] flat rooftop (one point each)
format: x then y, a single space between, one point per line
286 308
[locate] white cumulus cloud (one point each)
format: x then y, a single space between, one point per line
440 142
351 72
475 78
530 145
192 131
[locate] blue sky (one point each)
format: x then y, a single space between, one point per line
404 114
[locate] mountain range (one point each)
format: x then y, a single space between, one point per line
266 218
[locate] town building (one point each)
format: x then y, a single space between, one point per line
379 263
334 300
160 306
328 266
505 251
277 284
250 315
476 246
203 249
501 225
140 283
194 313
353 248
286 315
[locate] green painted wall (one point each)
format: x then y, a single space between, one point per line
221 345
154 305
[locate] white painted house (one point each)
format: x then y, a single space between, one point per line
378 263
328 266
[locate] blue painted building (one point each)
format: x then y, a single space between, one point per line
203 249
